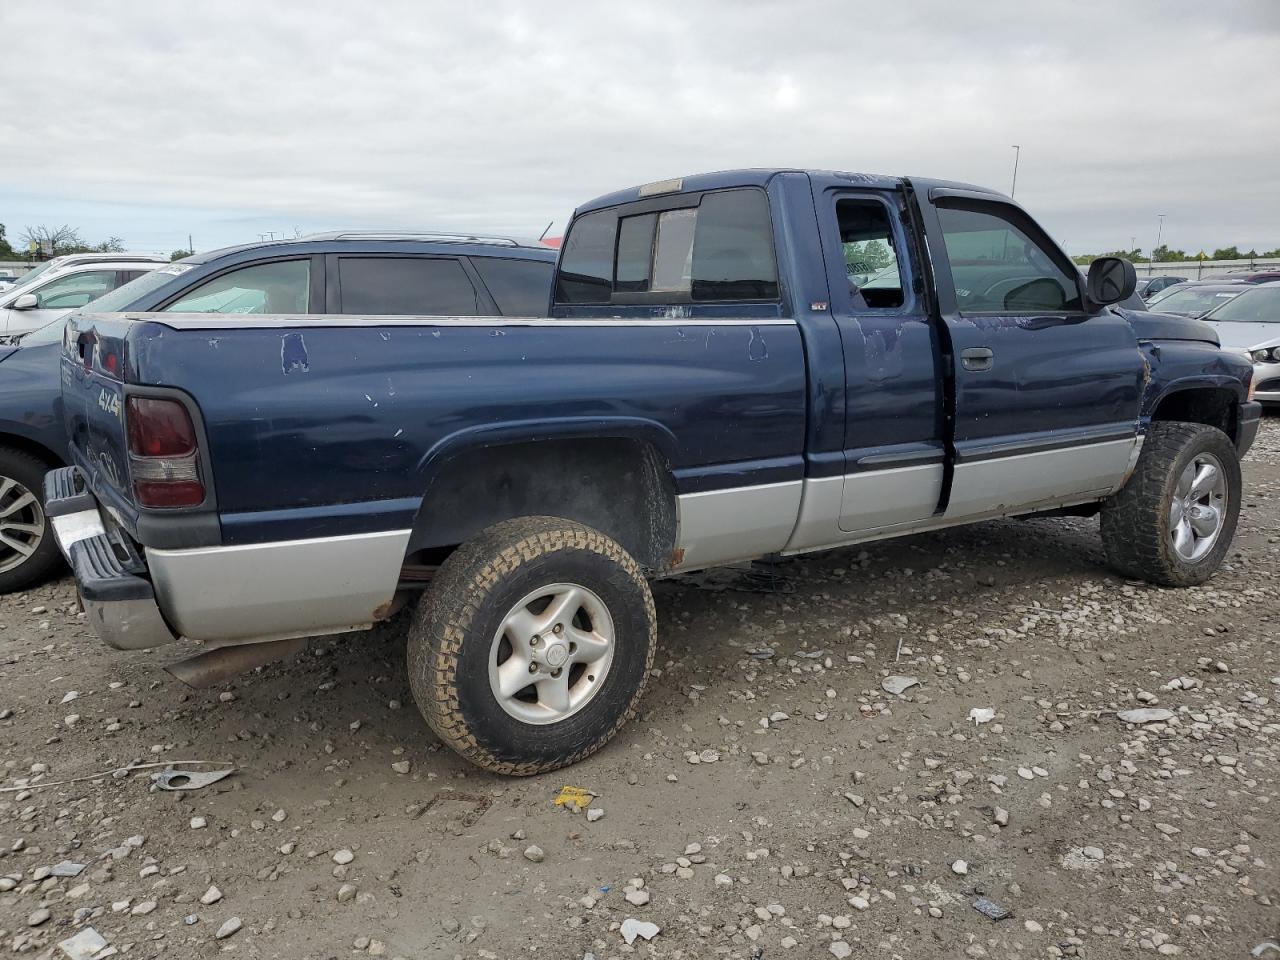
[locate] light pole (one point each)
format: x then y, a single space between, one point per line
1159 233
1017 152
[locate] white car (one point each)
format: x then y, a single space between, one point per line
1250 323
55 289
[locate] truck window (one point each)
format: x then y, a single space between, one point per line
406 286
870 255
999 268
720 249
279 287
586 263
521 288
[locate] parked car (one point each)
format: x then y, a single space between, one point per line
711 387
1148 287
32 436
56 292
33 440
7 280
1251 322
65 260
1196 298
1253 276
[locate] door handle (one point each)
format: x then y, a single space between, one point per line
976 358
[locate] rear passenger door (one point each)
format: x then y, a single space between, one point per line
1047 386
373 285
893 435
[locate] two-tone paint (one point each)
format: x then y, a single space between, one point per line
333 444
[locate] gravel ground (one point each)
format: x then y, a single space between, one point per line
772 800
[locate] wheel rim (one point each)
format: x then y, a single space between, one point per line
551 654
1199 508
21 524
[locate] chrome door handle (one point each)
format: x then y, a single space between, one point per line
976 358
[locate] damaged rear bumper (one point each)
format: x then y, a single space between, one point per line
139 597
119 601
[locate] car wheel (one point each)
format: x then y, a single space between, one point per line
531 648
28 552
1172 523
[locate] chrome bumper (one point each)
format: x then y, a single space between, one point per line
120 603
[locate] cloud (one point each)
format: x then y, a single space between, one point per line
504 115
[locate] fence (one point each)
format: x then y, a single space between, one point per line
1204 269
15 268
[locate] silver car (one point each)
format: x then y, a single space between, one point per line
52 292
1250 323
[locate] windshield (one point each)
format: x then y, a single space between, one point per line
121 297
26 278
1191 301
1259 305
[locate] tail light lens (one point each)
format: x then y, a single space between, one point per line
163 452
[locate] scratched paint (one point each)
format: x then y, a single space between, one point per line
757 349
293 354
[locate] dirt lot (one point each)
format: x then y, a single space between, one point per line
823 816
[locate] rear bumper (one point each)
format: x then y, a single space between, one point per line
119 601
144 597
1247 425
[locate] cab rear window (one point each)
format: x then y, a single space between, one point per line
716 247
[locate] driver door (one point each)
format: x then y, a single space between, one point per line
1047 388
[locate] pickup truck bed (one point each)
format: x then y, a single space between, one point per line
736 365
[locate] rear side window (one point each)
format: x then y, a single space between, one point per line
406 286
521 288
279 287
721 249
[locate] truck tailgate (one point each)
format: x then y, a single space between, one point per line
93 369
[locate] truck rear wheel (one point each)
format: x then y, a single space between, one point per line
1172 523
531 648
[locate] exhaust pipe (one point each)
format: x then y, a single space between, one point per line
214 667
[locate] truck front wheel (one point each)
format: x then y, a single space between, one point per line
1172 523
531 648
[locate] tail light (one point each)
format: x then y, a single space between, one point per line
163 452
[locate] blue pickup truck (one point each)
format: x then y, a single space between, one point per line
734 366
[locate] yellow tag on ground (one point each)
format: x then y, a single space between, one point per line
573 796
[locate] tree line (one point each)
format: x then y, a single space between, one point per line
61 240
1165 254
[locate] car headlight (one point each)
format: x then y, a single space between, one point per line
1265 355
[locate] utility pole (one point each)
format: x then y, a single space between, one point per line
1017 152
190 247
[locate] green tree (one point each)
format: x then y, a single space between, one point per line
1162 254
6 252
180 254
1226 253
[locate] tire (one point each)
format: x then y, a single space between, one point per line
473 634
22 521
1138 523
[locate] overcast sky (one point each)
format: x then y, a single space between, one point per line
225 120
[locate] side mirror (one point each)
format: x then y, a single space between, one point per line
1111 279
27 301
